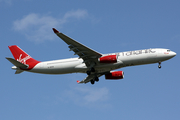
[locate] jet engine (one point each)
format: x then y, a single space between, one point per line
108 59
115 75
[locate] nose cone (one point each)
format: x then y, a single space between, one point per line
172 54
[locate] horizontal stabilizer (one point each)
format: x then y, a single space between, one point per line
19 71
17 63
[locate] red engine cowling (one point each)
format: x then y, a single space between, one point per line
108 59
115 75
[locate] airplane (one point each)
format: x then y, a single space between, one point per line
91 62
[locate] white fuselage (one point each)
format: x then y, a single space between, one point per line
130 58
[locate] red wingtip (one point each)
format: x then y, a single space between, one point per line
11 46
55 31
78 81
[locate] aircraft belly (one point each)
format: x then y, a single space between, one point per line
56 67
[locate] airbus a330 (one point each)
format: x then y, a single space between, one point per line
91 62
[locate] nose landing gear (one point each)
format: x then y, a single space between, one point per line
159 66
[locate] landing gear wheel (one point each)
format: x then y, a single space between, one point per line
159 66
96 79
92 82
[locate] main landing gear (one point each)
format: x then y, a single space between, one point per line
96 79
159 66
91 70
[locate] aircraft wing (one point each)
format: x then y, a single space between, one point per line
87 54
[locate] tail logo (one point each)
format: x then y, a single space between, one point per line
23 60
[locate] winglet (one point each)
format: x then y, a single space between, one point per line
78 81
55 31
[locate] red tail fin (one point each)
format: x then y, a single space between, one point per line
22 56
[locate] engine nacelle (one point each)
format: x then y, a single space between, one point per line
108 59
115 75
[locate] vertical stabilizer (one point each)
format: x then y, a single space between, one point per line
22 57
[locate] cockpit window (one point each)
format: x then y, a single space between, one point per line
168 50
